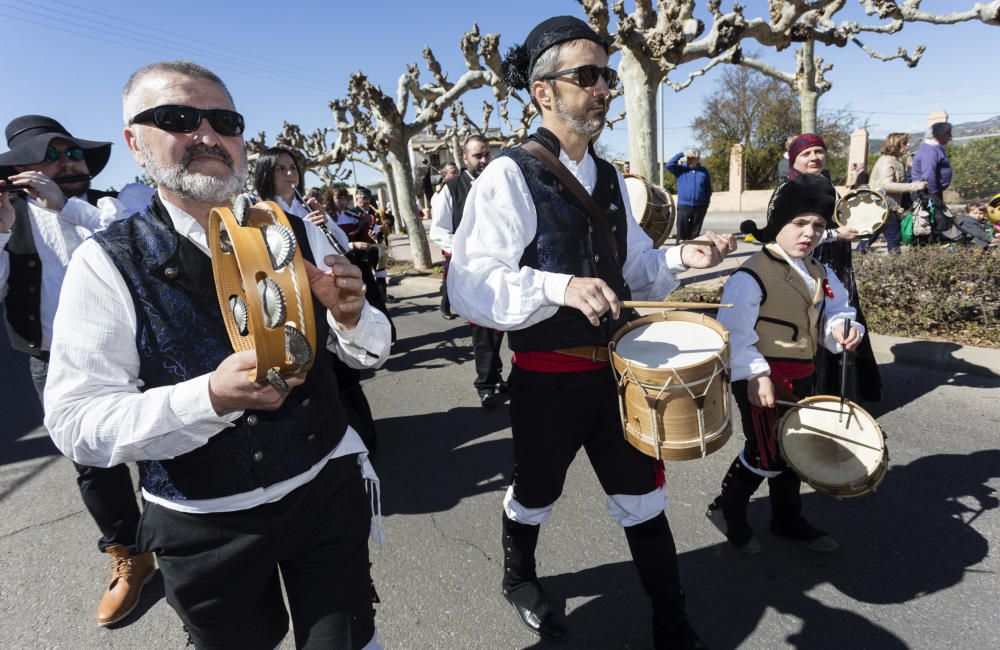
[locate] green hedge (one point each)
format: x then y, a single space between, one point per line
927 292
951 293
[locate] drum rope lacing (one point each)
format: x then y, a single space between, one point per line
627 376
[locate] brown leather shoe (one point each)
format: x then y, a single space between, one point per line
129 576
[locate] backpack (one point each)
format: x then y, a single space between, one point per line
906 228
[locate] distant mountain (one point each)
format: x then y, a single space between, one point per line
959 132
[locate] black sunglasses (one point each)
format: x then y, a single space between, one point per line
587 75
185 119
72 153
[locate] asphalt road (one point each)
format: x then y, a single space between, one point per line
915 568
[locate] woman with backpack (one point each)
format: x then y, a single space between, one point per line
889 176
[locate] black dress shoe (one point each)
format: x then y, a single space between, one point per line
488 399
448 315
502 387
532 607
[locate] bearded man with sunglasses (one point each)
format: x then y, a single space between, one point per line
246 486
45 216
530 257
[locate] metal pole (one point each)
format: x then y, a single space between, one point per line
663 145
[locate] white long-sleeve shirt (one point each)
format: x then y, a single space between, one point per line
745 295
486 282
441 219
95 411
57 235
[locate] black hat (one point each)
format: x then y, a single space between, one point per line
29 136
520 59
812 193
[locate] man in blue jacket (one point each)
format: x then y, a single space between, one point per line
931 163
694 191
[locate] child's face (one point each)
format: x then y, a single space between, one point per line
978 213
800 235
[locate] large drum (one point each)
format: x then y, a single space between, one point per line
838 451
673 384
863 210
652 207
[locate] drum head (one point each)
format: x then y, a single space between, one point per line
864 211
833 452
638 197
669 344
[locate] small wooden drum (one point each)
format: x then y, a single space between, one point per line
652 207
842 454
673 384
263 290
864 210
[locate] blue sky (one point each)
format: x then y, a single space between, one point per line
283 61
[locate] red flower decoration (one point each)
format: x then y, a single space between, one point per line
827 289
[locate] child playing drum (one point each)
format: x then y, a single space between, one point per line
785 304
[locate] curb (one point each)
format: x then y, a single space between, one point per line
937 355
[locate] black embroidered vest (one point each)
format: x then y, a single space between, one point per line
459 188
566 242
22 305
180 335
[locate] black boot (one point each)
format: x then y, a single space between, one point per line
786 515
520 582
737 488
655 556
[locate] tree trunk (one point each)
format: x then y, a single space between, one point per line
402 180
390 187
808 92
641 80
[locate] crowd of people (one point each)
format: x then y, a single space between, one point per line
113 300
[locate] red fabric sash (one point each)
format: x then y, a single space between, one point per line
555 362
765 420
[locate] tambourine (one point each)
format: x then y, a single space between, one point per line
864 210
263 288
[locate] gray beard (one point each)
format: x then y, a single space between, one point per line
577 123
192 186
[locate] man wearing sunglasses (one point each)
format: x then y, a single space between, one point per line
246 486
551 264
46 216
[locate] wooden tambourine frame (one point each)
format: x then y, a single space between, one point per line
862 198
240 259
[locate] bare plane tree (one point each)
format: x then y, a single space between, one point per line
654 41
391 131
809 78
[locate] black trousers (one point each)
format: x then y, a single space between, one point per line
445 303
108 493
221 570
486 349
689 220
552 416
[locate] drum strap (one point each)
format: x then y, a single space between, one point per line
585 200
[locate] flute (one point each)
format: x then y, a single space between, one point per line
322 226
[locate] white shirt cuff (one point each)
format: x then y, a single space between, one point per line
554 287
674 261
191 402
367 335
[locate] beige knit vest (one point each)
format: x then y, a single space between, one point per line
788 323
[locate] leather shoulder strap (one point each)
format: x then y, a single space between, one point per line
585 200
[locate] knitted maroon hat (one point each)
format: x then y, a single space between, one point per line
801 143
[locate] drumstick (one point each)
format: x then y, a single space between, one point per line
843 368
696 242
797 405
667 304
